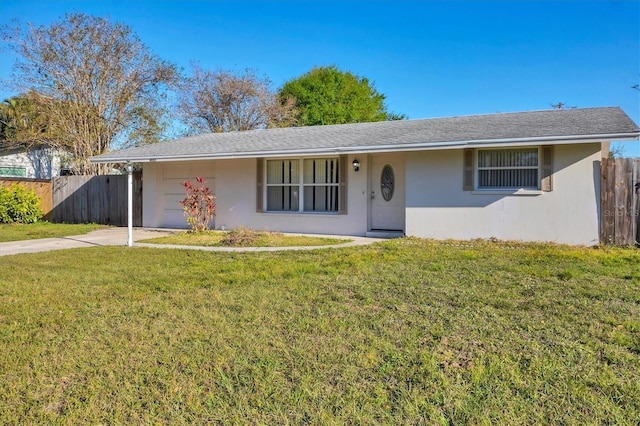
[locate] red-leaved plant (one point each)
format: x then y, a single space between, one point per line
199 206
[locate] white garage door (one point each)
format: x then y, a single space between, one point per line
172 176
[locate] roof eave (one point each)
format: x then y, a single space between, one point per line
422 146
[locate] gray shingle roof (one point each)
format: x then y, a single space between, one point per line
567 125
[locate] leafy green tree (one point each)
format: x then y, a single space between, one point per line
20 122
327 95
96 83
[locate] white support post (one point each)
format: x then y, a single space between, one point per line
129 168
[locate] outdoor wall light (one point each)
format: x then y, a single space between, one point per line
356 165
129 167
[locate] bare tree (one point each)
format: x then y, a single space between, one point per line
220 101
95 81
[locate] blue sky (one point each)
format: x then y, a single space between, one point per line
430 58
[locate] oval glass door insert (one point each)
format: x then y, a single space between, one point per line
387 182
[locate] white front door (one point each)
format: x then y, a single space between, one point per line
387 192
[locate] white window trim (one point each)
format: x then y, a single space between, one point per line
301 185
506 190
525 192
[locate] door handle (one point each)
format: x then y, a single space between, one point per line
373 194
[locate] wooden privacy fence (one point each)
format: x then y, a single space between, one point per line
95 199
41 187
620 201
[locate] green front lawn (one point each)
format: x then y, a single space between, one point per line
402 332
243 238
34 231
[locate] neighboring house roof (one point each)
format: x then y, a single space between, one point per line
509 129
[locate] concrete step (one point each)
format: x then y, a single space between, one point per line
384 234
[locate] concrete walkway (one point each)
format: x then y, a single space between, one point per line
118 237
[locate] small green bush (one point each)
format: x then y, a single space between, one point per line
17 205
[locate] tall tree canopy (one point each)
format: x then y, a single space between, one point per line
221 101
327 95
96 83
21 124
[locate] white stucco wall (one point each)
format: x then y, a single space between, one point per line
41 163
236 198
235 190
437 207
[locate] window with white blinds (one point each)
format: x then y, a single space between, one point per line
315 188
508 168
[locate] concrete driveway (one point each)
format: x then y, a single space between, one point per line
118 237
101 237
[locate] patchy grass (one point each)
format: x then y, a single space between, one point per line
402 332
33 231
243 237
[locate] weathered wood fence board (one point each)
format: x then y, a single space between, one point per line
620 201
41 187
95 199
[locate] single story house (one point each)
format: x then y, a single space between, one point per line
530 176
34 163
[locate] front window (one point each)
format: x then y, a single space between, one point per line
283 188
315 188
508 168
321 185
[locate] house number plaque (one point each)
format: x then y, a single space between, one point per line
387 182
